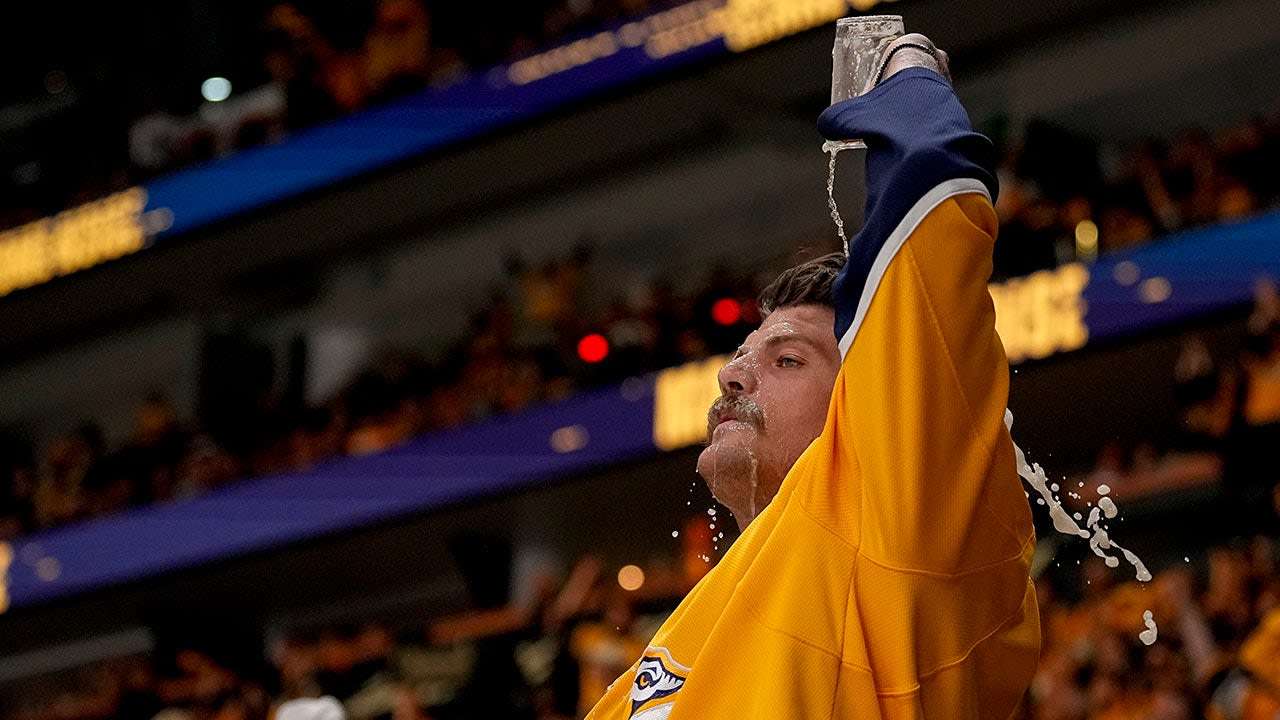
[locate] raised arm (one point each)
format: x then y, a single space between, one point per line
924 380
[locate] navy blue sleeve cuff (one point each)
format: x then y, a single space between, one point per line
918 137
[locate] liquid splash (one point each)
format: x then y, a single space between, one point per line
1100 541
834 148
1108 507
1148 636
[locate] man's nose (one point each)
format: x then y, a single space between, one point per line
738 376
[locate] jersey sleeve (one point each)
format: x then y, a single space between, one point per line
923 386
942 620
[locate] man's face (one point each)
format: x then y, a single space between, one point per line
773 402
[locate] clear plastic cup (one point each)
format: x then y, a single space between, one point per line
855 59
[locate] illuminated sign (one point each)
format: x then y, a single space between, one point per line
1042 313
661 34
564 57
685 27
740 24
681 397
752 23
73 240
6 559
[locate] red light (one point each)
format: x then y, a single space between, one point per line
726 311
593 348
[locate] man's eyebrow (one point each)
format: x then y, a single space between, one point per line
778 339
801 338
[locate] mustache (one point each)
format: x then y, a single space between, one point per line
734 407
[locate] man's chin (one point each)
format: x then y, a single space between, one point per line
728 467
727 456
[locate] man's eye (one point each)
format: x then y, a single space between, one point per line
787 361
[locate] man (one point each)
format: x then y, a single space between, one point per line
888 575
785 370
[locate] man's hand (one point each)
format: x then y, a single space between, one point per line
840 122
913 50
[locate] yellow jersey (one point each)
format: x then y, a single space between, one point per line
888 578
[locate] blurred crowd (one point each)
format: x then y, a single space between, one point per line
550 658
111 121
322 63
1230 408
532 342
543 335
1065 198
1216 654
1215 657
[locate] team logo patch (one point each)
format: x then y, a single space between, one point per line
658 677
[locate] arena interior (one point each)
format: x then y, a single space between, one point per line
363 348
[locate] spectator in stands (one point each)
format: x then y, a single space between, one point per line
324 708
397 49
17 487
382 413
136 698
606 647
1252 689
196 681
1028 236
548 296
1204 404
116 483
60 494
316 435
159 443
1228 597
1124 223
204 465
1250 470
1190 174
295 662
155 138
317 82
1160 205
339 670
373 649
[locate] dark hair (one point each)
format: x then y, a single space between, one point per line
809 283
